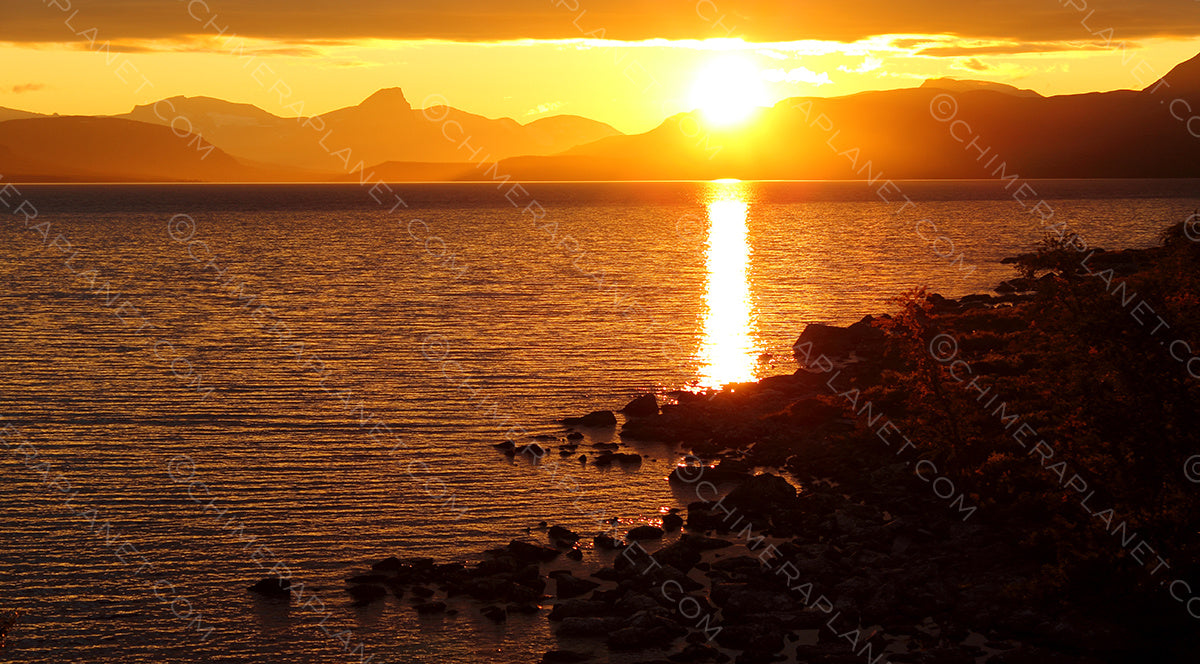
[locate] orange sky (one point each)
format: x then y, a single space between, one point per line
536 59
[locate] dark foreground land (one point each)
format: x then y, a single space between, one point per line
1003 478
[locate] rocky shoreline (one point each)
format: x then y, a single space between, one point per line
823 528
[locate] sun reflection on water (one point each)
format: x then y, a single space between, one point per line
727 351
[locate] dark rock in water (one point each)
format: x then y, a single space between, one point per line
560 534
697 652
506 445
574 435
644 533
577 608
1018 285
422 592
762 494
564 657
599 418
607 446
430 608
701 516
643 406
570 587
527 608
526 552
582 458
545 436
809 413
366 594
682 555
272 587
575 554
496 614
531 450
585 627
832 341
606 542
369 578
672 522
391 564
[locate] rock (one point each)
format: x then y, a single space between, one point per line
532 450
575 554
391 564
762 494
430 608
369 578
526 552
273 587
577 608
564 657
818 339
496 614
505 446
672 522
644 533
643 406
606 542
599 418
584 627
366 594
697 652
560 534
569 587
574 435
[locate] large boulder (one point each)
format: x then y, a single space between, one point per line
819 339
643 406
526 552
762 494
644 533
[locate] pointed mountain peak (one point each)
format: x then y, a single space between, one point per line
390 98
1184 78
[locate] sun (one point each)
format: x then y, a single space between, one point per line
728 90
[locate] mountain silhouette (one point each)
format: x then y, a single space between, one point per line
895 135
944 129
111 149
383 128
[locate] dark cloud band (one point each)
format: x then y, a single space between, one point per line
487 20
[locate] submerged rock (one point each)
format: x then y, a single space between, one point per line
272 587
599 418
430 608
366 594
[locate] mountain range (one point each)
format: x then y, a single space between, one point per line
944 129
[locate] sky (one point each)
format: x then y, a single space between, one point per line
629 63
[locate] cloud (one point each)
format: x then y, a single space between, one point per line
545 108
869 64
27 87
1013 48
797 75
486 20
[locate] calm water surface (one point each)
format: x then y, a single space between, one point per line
275 414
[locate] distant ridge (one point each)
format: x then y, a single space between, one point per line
966 85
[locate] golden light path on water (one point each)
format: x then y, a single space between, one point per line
727 350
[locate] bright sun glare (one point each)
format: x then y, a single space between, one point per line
728 90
